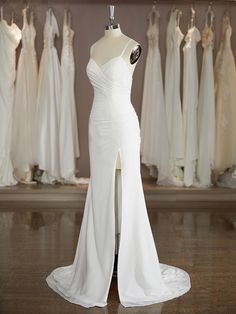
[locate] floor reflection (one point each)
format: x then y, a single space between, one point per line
34 243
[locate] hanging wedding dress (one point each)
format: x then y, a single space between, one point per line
190 102
172 94
115 129
48 103
206 109
154 137
10 36
24 138
69 144
225 82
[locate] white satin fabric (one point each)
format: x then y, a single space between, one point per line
69 142
206 111
190 104
24 138
172 95
48 103
225 82
114 127
10 36
154 143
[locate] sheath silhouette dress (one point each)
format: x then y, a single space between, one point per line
142 280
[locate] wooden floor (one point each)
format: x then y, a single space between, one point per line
34 240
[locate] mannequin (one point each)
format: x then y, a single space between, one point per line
108 47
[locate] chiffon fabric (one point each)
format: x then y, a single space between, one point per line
190 103
69 143
154 136
10 36
225 82
206 111
48 104
24 139
172 95
113 129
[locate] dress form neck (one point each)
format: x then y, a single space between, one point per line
111 33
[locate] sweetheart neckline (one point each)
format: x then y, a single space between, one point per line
117 57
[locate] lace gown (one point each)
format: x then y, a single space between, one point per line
48 103
114 128
24 118
172 95
190 103
154 137
225 82
10 36
69 143
206 111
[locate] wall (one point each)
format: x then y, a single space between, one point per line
89 20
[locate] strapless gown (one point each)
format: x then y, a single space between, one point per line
142 280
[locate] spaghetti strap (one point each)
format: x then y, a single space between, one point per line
126 45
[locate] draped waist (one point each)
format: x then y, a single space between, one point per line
105 107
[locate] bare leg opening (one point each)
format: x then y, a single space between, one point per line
117 207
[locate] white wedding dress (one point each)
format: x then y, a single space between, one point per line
154 136
24 138
172 95
206 111
69 143
190 104
10 36
48 103
225 87
114 128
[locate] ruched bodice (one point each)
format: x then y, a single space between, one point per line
112 82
